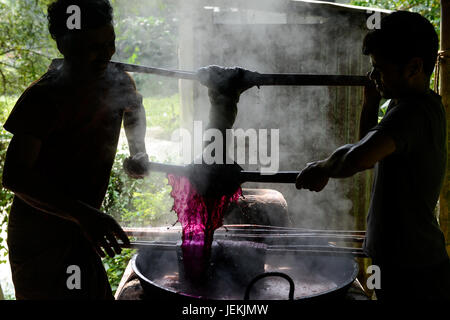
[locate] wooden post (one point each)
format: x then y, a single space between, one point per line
444 76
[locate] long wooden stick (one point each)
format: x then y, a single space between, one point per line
278 177
244 176
179 74
259 79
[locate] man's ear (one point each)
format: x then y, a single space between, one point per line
414 67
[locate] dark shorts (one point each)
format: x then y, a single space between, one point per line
42 249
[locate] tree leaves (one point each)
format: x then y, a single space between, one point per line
25 46
430 9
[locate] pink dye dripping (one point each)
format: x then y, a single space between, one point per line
199 217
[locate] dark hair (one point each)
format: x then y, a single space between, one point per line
94 14
404 35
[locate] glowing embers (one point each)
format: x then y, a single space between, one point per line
199 217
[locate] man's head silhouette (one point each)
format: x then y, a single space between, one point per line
403 53
89 48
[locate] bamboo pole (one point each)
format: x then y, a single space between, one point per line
444 84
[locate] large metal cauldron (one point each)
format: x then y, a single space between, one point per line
239 270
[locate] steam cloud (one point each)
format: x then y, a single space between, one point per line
269 38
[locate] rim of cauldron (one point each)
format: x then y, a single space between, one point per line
322 294
340 288
142 277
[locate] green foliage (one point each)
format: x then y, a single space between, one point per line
163 113
25 44
144 202
430 9
147 34
139 203
5 195
116 266
383 109
134 203
152 204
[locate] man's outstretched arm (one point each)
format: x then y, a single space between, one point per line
135 124
351 158
346 161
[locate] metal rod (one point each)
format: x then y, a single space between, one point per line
257 227
329 237
247 228
289 233
230 231
262 237
272 249
290 247
355 253
166 245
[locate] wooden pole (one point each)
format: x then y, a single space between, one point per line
444 84
255 79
